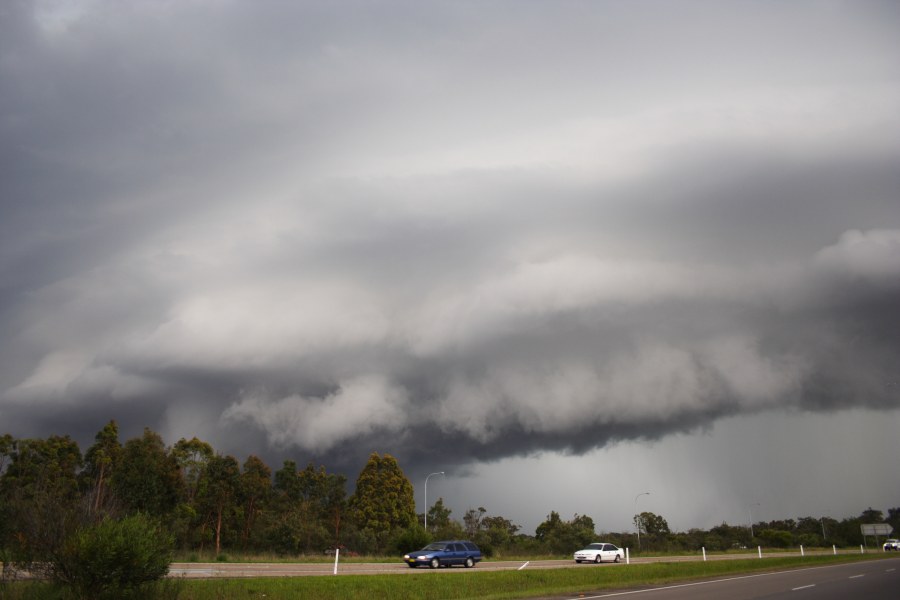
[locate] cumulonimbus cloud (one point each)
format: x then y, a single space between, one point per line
411 235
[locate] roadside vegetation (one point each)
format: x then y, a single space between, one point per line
107 522
460 584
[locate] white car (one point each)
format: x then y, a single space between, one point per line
891 545
598 552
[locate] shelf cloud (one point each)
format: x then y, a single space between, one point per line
319 230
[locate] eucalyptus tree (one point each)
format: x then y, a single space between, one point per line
192 457
39 497
255 495
438 515
560 536
100 462
148 478
218 495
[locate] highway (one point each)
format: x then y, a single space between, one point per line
869 579
221 569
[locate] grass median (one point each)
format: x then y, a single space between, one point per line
454 584
491 585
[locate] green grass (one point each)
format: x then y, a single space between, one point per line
461 583
494 585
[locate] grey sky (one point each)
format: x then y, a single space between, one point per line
488 238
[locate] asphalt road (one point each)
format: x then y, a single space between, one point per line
210 570
869 579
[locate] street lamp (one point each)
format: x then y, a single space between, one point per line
750 512
638 524
426 497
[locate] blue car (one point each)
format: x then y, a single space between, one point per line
444 554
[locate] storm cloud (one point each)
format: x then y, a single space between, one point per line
322 229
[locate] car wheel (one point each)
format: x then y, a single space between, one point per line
435 563
617 558
469 562
412 566
597 559
578 561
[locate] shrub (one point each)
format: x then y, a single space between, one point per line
115 558
412 538
776 538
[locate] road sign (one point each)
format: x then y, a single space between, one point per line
876 529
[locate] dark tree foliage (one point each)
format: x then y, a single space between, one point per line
383 501
287 484
148 478
652 524
412 538
192 457
893 519
326 496
472 520
438 516
565 536
52 502
7 446
218 495
39 492
255 496
441 526
100 462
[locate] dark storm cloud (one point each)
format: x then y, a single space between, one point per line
321 231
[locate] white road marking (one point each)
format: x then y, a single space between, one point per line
856 576
699 583
803 587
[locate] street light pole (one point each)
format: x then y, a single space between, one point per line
426 497
637 516
750 512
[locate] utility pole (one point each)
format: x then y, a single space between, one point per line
638 517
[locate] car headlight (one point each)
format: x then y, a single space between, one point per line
406 557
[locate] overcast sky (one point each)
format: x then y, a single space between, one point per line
566 252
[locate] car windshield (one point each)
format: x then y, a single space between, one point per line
595 547
435 547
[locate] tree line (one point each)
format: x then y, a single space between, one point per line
209 503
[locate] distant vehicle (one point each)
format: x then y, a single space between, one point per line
444 554
891 544
598 552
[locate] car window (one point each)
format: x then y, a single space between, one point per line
596 546
434 547
471 546
609 547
